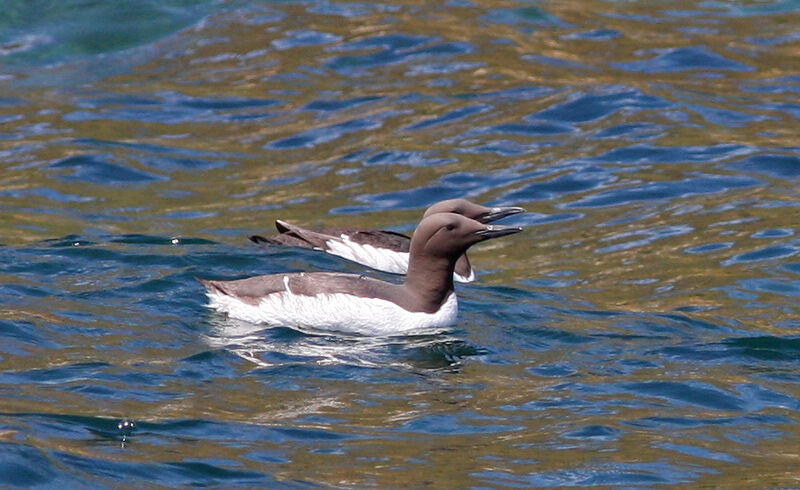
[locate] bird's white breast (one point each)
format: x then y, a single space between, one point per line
459 278
382 259
337 312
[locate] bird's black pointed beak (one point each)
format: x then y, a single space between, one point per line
495 214
494 231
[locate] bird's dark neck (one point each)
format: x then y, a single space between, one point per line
430 279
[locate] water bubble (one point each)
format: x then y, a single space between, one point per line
175 241
126 426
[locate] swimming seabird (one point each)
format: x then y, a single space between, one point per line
383 250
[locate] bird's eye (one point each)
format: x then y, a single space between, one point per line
451 227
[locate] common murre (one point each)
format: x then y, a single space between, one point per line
383 250
355 304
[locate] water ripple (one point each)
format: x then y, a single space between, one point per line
692 186
590 107
683 59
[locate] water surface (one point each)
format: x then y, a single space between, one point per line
642 331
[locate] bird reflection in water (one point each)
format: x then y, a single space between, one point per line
275 346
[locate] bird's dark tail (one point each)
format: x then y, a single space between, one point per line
212 286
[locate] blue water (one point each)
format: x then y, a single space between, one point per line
642 331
